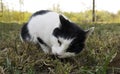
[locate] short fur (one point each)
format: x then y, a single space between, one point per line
55 34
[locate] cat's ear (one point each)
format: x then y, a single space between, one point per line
63 20
89 31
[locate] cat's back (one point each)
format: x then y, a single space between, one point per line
42 24
44 20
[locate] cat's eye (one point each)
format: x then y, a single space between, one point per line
59 42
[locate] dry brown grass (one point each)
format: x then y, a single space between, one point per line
26 58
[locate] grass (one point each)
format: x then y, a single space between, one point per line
26 58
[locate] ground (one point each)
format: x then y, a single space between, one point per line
100 56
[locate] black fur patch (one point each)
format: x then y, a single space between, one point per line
69 30
41 12
41 41
76 45
24 32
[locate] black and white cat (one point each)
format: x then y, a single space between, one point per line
55 34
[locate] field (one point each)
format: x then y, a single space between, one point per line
25 58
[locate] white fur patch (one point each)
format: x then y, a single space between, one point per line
43 25
65 42
61 50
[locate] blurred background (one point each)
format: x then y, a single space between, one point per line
100 56
81 11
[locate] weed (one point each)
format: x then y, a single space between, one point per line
26 58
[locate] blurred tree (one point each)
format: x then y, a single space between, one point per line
118 16
21 3
103 16
21 13
93 12
56 8
1 8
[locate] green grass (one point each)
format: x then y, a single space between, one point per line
26 58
